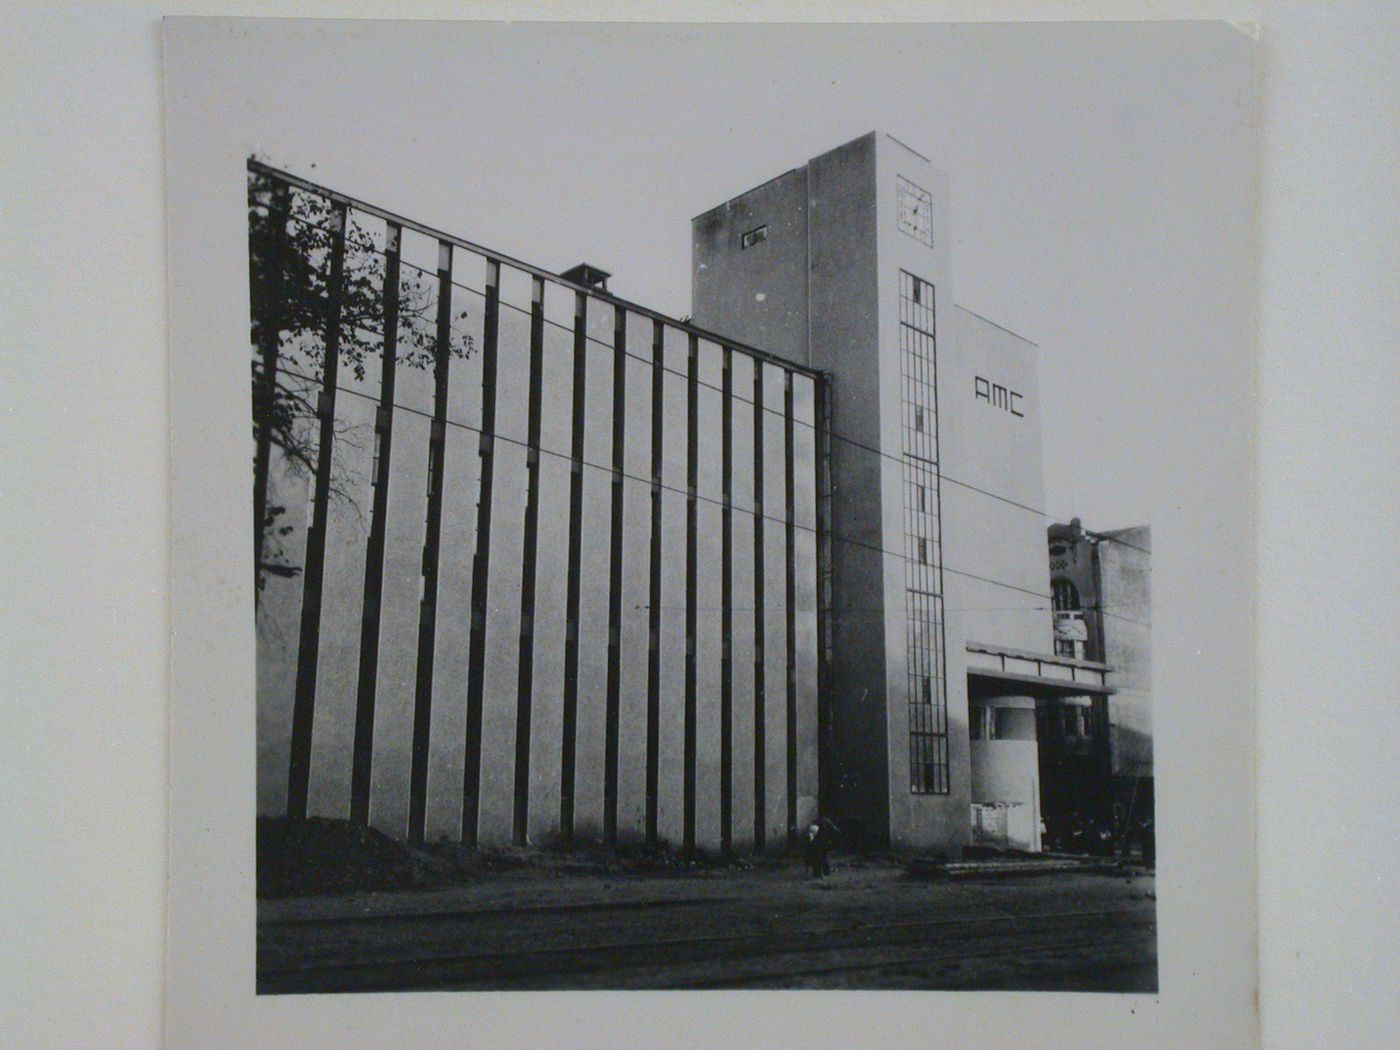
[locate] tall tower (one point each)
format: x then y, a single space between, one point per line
843 265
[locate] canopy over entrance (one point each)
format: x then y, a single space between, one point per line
1039 674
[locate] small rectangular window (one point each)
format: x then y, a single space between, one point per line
755 236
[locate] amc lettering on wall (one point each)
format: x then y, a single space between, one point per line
996 395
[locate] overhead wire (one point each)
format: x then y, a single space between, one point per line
607 469
832 434
737 397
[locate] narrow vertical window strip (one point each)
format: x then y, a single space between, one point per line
654 594
760 673
726 683
926 642
939 625
274 195
308 651
362 748
525 681
427 610
790 584
571 601
481 559
614 683
692 462
822 479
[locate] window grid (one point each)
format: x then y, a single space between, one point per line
925 641
1065 602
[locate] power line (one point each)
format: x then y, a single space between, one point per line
833 434
836 537
1125 619
1104 537
424 271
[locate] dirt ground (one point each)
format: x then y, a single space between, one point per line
561 922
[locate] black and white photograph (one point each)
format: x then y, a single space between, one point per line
710 642
703 483
692 524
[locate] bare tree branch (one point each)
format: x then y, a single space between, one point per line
289 255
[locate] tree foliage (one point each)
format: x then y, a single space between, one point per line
291 239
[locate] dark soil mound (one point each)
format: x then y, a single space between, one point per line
320 856
299 858
663 859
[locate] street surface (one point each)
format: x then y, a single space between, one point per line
866 926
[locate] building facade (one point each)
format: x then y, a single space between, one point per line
940 619
1102 588
538 565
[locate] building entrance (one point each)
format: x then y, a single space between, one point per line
1076 786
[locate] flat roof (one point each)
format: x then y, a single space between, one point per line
1077 684
1048 685
1026 654
872 133
752 189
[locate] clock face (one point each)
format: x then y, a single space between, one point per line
915 211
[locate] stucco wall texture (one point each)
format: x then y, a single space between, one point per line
809 267
822 286
333 726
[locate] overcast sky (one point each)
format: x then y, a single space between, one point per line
1101 178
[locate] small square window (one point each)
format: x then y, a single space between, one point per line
754 236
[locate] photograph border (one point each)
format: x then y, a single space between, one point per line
203 510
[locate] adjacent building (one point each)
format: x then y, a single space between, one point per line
1101 584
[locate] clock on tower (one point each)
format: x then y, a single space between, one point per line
915 211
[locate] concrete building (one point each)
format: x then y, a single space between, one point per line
940 654
595 574
1102 588
551 556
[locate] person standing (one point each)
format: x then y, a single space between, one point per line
825 840
1148 837
811 851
